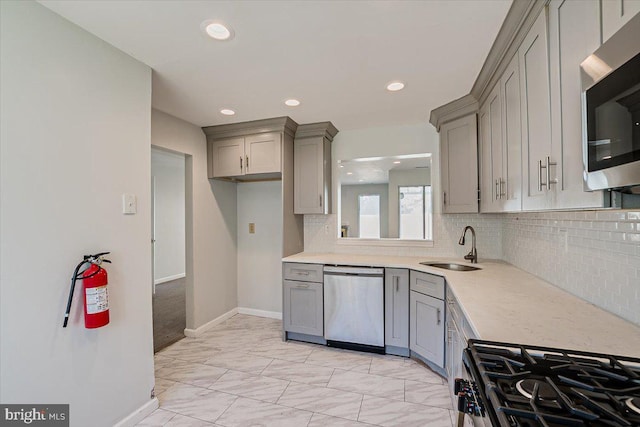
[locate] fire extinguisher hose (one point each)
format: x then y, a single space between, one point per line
78 275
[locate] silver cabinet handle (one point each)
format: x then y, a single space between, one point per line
247 166
438 315
497 189
444 198
503 192
397 280
240 163
301 272
549 180
540 183
302 286
321 200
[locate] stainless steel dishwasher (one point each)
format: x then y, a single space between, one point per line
354 307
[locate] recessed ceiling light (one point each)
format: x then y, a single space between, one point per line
341 166
227 112
292 102
217 30
395 86
360 180
349 173
397 162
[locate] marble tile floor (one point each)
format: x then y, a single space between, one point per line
241 373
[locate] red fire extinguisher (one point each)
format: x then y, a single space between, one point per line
94 295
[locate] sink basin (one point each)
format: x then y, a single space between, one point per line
450 266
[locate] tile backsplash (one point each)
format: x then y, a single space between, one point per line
594 255
320 232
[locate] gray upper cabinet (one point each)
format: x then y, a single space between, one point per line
312 168
227 157
459 165
500 145
263 153
396 308
253 154
574 34
252 151
615 13
539 169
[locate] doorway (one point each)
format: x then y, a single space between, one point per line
168 191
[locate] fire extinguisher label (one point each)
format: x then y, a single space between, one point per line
97 299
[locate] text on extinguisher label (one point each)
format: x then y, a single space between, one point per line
97 299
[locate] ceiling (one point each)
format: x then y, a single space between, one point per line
375 170
336 57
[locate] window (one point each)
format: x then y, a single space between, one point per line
369 216
415 212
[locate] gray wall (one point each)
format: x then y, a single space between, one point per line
260 253
75 136
349 206
211 220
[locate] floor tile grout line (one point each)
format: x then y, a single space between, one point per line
282 394
360 408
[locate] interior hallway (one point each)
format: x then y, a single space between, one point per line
169 313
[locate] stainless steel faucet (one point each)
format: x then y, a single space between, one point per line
473 255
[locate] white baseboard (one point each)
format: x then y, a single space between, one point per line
260 313
169 278
139 414
194 333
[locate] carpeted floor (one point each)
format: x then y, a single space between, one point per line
169 313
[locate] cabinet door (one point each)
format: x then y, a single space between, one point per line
309 180
573 35
459 165
396 307
263 153
616 13
536 111
512 143
227 157
492 152
302 311
426 327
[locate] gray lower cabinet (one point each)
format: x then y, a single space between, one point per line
303 307
396 310
426 318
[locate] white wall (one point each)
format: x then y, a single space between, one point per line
167 172
75 133
210 220
350 214
260 254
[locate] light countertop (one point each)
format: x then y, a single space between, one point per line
504 303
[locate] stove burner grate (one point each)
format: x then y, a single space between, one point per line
545 391
633 403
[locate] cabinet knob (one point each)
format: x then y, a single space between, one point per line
438 316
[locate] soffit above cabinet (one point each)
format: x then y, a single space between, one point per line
277 124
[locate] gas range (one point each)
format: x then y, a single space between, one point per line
522 385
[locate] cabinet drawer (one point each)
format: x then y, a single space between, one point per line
428 284
302 272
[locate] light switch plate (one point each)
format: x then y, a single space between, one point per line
129 204
252 228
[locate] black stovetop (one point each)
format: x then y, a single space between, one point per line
526 386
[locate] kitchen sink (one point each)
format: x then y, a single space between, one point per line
451 266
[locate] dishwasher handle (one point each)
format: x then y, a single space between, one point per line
353 271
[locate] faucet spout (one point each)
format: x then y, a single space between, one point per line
473 254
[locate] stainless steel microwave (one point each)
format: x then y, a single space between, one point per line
611 112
